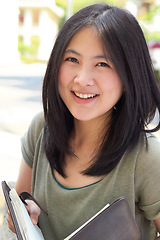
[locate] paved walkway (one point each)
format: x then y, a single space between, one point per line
20 100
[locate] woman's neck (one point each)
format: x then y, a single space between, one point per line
89 133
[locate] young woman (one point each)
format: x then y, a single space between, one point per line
92 144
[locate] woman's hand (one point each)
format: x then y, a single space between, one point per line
33 210
157 223
10 223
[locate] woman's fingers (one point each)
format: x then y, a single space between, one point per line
33 210
10 223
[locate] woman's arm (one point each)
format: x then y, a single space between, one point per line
24 184
24 178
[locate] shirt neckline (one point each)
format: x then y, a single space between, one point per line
67 188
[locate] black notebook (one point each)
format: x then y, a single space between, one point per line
113 222
25 230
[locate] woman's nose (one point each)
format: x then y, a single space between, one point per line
84 78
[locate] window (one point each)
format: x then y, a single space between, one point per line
35 17
21 17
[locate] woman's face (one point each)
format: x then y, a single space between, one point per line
88 82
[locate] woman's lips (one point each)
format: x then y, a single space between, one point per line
85 95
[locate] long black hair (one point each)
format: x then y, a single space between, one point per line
124 41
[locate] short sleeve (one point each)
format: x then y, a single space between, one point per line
30 138
147 178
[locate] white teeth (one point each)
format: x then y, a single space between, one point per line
80 95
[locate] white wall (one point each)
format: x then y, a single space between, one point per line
47 33
9 32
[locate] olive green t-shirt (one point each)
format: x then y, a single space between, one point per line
137 177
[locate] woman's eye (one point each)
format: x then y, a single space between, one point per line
103 64
71 59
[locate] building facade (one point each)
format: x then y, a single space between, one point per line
38 26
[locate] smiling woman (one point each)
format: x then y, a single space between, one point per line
88 83
91 144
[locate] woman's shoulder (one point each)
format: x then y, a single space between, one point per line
153 144
35 128
32 137
147 177
37 122
145 157
38 119
148 157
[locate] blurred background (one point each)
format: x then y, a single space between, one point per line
27 33
28 29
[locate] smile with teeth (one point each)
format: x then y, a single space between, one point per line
85 96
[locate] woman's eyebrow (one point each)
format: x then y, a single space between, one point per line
105 57
78 54
101 56
72 51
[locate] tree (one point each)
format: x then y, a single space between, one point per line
78 4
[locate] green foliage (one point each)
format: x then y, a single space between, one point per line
31 60
35 41
148 17
62 20
154 36
83 3
158 75
149 35
28 50
78 4
61 3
